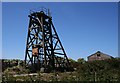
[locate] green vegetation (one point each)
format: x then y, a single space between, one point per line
103 70
99 70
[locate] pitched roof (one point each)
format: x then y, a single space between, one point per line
99 52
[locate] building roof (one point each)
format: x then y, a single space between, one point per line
99 52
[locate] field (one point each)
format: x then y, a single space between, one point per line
100 70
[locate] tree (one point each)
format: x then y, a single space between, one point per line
73 63
81 60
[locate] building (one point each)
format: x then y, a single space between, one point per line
99 56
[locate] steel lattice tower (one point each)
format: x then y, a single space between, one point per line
44 48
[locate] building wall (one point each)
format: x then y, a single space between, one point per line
98 56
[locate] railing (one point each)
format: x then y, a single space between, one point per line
45 10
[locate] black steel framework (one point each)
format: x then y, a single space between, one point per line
44 48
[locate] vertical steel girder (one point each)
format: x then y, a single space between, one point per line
44 48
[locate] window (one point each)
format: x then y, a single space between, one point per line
98 55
